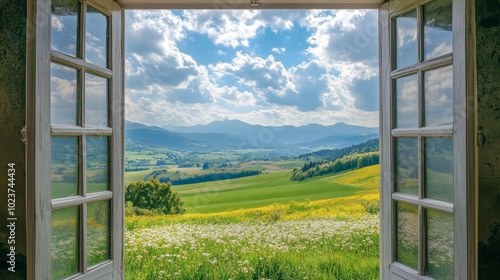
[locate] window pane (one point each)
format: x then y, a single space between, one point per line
440 245
439 97
437 28
96 100
439 168
407 165
64 166
407 234
97 232
65 242
96 39
407 102
406 39
64 26
63 85
97 163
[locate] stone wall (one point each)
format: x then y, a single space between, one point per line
12 119
488 74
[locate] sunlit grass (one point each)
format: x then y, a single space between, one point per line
333 238
295 249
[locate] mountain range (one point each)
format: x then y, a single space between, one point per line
234 134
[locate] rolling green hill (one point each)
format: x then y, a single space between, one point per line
266 189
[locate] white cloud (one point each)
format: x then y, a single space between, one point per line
56 23
167 86
226 28
346 41
278 50
265 75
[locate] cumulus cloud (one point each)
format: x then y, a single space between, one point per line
347 43
235 28
226 28
278 50
344 37
56 23
337 81
264 74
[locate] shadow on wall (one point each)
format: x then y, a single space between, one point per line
12 149
488 71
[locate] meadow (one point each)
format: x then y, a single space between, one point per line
263 227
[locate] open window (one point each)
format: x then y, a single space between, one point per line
76 122
427 152
75 136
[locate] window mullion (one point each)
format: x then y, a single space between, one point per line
83 164
60 203
421 192
83 236
83 207
421 240
78 131
81 106
78 63
421 100
431 64
421 163
82 35
420 33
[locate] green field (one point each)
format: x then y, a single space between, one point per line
255 191
133 176
321 228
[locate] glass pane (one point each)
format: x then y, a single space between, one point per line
440 245
63 85
64 166
65 242
407 165
407 102
438 90
96 39
439 168
407 234
97 232
97 163
64 26
406 39
437 28
96 101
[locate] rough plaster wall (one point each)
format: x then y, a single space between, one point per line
12 118
488 71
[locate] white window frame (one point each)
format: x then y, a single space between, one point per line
38 154
39 132
464 141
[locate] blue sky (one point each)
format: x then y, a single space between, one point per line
269 67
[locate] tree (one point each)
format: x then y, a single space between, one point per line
153 195
206 166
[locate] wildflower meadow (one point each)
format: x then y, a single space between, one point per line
334 238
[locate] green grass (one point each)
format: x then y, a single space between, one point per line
140 155
328 238
290 164
133 176
303 249
255 191
258 167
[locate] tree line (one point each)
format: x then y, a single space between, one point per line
181 178
332 155
319 168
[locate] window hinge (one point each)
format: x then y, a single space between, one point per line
480 138
23 135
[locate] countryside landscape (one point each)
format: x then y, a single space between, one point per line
252 202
